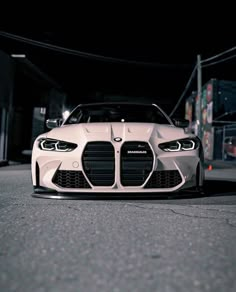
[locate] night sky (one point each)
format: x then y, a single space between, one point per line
172 57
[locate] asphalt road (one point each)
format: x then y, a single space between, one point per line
123 244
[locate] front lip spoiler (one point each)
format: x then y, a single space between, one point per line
122 195
42 190
101 196
47 193
54 195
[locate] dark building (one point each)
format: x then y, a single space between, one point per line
27 97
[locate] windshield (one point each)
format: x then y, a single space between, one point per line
117 113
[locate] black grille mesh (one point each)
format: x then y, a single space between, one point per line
136 163
164 179
99 163
70 179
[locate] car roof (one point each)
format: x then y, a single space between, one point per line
117 103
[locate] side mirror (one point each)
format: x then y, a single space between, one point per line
181 123
53 123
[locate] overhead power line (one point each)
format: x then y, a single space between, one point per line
119 60
204 66
219 55
185 91
84 54
220 61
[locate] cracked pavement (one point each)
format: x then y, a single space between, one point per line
183 243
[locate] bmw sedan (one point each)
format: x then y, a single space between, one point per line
116 148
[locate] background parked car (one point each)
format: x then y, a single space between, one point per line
230 148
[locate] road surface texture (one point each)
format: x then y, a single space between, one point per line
183 243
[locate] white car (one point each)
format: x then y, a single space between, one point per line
116 148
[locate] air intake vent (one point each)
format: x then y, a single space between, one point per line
164 179
70 179
99 163
136 163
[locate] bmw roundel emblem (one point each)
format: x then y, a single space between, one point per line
118 139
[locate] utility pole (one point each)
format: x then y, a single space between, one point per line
199 93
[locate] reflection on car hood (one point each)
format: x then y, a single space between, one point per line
109 131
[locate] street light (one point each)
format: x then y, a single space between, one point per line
65 114
20 56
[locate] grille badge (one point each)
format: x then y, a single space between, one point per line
118 139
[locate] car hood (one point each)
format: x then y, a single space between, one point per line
109 131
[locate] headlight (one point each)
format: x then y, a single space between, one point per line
180 145
56 145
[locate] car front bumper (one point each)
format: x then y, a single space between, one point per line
63 173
